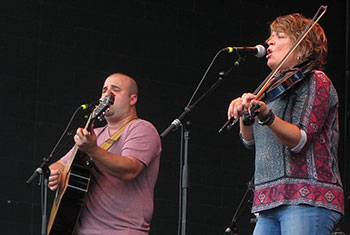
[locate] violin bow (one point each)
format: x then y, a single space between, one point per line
260 91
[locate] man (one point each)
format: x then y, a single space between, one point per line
120 195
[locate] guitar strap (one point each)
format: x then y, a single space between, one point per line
108 143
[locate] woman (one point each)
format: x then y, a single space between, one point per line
298 189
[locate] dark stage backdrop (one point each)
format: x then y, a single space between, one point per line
55 55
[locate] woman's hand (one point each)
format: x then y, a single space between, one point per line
242 105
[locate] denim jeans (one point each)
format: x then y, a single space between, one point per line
296 220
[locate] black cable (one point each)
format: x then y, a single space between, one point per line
65 131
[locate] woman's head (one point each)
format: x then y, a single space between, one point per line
314 45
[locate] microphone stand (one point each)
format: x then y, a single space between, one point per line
44 172
232 229
184 172
177 122
184 167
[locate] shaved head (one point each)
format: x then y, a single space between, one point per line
131 83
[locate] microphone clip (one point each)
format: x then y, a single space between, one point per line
90 105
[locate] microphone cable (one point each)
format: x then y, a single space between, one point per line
204 75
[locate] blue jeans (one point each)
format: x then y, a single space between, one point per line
296 220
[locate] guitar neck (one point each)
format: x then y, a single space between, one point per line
76 148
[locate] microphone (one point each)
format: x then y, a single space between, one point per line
259 50
89 105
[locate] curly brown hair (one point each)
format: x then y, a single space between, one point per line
313 47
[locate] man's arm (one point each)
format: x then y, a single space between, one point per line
122 167
56 170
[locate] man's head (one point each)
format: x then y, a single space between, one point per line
125 92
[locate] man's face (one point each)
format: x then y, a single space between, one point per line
118 86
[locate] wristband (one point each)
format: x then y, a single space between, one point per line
267 119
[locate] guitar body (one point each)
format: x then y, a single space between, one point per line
70 196
74 183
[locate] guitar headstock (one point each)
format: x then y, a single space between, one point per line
104 104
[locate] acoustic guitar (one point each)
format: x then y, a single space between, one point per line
74 183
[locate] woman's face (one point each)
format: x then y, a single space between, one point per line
279 44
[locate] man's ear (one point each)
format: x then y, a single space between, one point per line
133 99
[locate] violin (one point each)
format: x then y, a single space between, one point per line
284 81
287 80
276 83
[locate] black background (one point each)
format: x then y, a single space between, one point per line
55 55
